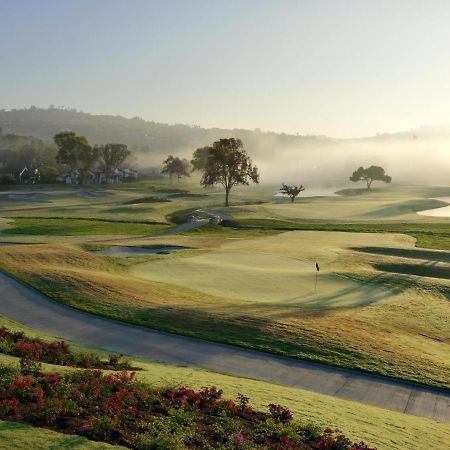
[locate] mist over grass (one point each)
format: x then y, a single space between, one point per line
418 156
331 163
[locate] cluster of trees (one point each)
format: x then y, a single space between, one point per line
76 152
173 165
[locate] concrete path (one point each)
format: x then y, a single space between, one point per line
24 305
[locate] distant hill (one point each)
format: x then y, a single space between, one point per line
154 139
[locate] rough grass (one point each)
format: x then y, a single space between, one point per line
406 335
385 429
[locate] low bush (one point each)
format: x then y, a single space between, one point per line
15 343
115 408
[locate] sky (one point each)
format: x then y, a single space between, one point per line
338 67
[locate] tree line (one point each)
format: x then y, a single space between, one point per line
77 153
67 152
227 163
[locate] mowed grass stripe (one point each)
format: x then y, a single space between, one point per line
63 226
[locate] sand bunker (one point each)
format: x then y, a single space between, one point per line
438 212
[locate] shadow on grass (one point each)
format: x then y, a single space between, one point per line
421 270
251 332
410 253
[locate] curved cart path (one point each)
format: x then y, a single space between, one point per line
25 305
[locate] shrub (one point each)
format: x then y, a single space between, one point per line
279 413
57 352
115 408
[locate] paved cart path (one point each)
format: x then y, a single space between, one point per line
25 305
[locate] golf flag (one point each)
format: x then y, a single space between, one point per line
317 267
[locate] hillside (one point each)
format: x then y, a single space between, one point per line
314 160
145 136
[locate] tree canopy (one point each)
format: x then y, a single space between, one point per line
228 164
175 165
369 175
291 191
76 152
199 158
112 155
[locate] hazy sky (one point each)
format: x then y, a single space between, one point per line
342 68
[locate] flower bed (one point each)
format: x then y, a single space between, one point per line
15 343
117 409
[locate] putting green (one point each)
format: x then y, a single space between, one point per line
279 269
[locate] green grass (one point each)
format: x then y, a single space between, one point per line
395 315
387 430
428 235
64 226
15 436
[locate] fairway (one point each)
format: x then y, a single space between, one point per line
279 269
380 304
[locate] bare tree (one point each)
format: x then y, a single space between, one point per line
292 191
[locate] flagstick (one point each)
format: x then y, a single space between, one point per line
315 286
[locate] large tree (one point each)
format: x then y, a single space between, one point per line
228 164
112 155
291 191
76 152
369 175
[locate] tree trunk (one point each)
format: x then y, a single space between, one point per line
227 193
292 199
369 184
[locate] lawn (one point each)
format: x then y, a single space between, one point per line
427 235
380 304
63 226
380 205
17 435
360 317
385 429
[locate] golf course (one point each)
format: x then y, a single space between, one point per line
145 254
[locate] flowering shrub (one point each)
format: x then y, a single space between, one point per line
116 408
279 413
17 344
